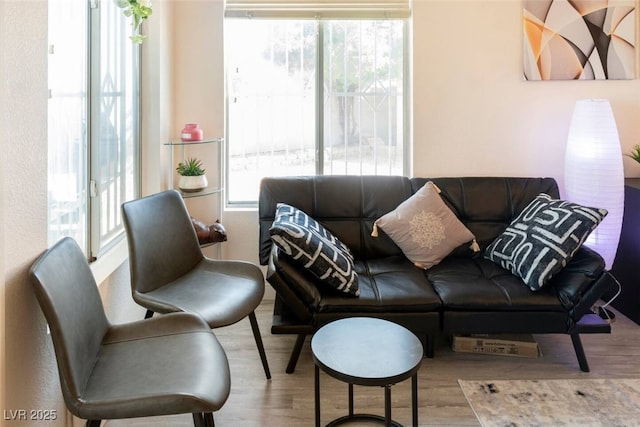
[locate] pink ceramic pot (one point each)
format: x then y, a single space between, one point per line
191 132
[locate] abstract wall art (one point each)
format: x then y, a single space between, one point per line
579 39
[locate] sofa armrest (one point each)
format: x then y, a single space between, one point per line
582 282
293 285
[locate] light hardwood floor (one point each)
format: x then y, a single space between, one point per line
288 399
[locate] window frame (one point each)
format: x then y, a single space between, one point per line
94 244
319 98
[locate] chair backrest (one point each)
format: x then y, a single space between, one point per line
68 295
163 244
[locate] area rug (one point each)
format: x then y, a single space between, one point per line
580 402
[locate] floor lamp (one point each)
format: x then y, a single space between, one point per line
593 171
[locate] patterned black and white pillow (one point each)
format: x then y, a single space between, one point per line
543 239
315 248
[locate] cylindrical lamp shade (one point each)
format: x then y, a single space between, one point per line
594 174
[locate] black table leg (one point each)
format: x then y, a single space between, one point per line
317 394
346 419
387 405
414 398
334 338
350 399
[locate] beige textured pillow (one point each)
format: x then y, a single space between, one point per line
425 228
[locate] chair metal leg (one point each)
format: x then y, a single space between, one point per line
208 419
198 419
258 338
295 353
93 423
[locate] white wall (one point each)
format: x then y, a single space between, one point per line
156 94
2 203
473 112
30 376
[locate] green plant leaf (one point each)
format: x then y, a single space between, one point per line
190 167
138 38
635 153
138 12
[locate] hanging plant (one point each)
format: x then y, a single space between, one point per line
138 10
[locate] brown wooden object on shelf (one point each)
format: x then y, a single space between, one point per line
207 234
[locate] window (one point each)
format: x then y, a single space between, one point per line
313 96
93 122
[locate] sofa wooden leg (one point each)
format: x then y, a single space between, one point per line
582 358
295 353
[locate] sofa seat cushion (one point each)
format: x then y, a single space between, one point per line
391 284
477 284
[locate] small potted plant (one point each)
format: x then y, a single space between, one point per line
635 153
192 177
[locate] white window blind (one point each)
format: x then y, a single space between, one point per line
315 9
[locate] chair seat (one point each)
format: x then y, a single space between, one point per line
221 292
142 370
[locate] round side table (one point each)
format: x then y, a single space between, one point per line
370 352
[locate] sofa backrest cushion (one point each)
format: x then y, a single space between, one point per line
347 206
487 205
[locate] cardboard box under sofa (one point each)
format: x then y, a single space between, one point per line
503 345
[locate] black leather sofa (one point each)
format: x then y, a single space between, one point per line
463 294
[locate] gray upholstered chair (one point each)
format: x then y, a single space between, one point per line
170 273
166 365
